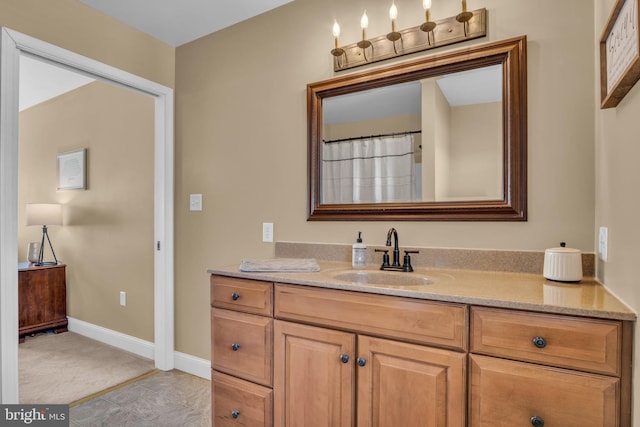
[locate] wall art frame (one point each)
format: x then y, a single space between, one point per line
72 170
620 53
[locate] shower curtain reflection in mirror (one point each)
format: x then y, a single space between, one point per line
369 170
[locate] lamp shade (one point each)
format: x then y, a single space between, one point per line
44 214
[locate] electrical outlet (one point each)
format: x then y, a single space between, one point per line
603 243
267 232
195 202
123 298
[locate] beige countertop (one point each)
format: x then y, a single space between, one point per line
494 289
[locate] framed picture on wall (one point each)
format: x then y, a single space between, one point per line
620 53
72 170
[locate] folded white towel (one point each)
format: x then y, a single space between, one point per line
280 265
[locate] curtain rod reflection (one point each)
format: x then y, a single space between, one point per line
354 138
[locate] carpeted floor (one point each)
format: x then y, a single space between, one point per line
64 368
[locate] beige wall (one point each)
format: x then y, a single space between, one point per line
476 152
617 151
107 237
241 138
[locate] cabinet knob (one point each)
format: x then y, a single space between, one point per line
361 361
537 421
539 342
235 346
235 296
235 414
344 358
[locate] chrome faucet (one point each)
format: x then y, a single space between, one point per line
406 266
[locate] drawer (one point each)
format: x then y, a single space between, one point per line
251 296
237 403
571 342
242 345
407 319
509 393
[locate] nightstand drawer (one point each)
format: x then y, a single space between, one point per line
242 345
250 296
571 342
236 402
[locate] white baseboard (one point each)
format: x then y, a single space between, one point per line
182 361
192 365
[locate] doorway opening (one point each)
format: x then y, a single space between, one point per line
13 45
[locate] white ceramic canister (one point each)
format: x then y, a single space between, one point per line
563 264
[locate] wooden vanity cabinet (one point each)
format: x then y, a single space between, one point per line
293 355
347 377
241 352
542 369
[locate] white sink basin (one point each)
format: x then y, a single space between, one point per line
383 278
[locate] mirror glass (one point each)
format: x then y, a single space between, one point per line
435 139
442 138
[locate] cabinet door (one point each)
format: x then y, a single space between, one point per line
409 385
507 393
314 376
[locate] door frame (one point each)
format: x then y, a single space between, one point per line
12 45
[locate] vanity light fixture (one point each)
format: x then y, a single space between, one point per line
393 36
428 35
428 26
337 51
364 43
464 17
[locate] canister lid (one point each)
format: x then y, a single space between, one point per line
563 250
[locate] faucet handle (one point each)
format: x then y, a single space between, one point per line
407 260
385 258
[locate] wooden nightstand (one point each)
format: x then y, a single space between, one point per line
42 298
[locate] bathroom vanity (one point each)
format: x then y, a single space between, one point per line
450 348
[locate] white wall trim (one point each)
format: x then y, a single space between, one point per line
182 361
9 70
14 44
193 365
117 339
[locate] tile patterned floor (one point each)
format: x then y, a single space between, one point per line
171 398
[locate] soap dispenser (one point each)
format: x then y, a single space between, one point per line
359 253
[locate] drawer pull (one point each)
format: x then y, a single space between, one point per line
344 358
539 342
235 414
235 296
361 361
537 421
235 346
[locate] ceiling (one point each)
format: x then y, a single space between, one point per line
177 22
174 22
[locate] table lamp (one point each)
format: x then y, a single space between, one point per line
44 214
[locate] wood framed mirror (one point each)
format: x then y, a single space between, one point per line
443 138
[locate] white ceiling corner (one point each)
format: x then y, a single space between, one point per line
174 22
177 22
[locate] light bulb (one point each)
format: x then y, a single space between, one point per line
426 4
364 22
393 12
336 29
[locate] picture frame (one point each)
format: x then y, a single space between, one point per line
620 53
72 170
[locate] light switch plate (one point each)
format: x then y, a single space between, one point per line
123 298
603 243
267 232
195 202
